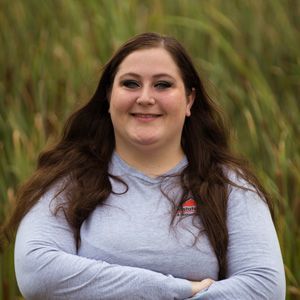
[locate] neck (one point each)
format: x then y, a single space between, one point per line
150 161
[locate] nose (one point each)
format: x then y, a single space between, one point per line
145 98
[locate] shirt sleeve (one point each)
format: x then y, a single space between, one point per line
255 266
47 266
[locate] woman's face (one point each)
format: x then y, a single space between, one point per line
148 101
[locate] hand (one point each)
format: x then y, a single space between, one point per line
198 286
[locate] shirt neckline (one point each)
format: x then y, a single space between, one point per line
123 168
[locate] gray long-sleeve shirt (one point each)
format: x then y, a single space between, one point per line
129 251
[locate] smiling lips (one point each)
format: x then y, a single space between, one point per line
145 117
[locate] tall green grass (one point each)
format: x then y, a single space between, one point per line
247 52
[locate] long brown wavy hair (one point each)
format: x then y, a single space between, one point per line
84 151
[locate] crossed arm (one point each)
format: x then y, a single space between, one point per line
48 267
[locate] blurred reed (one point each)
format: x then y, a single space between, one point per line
51 56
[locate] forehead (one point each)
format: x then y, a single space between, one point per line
149 62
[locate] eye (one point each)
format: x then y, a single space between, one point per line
131 84
163 85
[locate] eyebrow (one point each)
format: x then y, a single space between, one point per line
132 74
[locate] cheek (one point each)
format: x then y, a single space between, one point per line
175 105
119 102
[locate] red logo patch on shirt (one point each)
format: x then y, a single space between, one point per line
188 208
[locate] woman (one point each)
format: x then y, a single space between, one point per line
142 198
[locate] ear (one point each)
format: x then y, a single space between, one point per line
190 101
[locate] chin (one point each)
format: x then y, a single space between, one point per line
145 141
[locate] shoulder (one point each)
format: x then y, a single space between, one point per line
237 180
246 205
54 196
245 201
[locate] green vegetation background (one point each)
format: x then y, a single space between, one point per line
247 51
